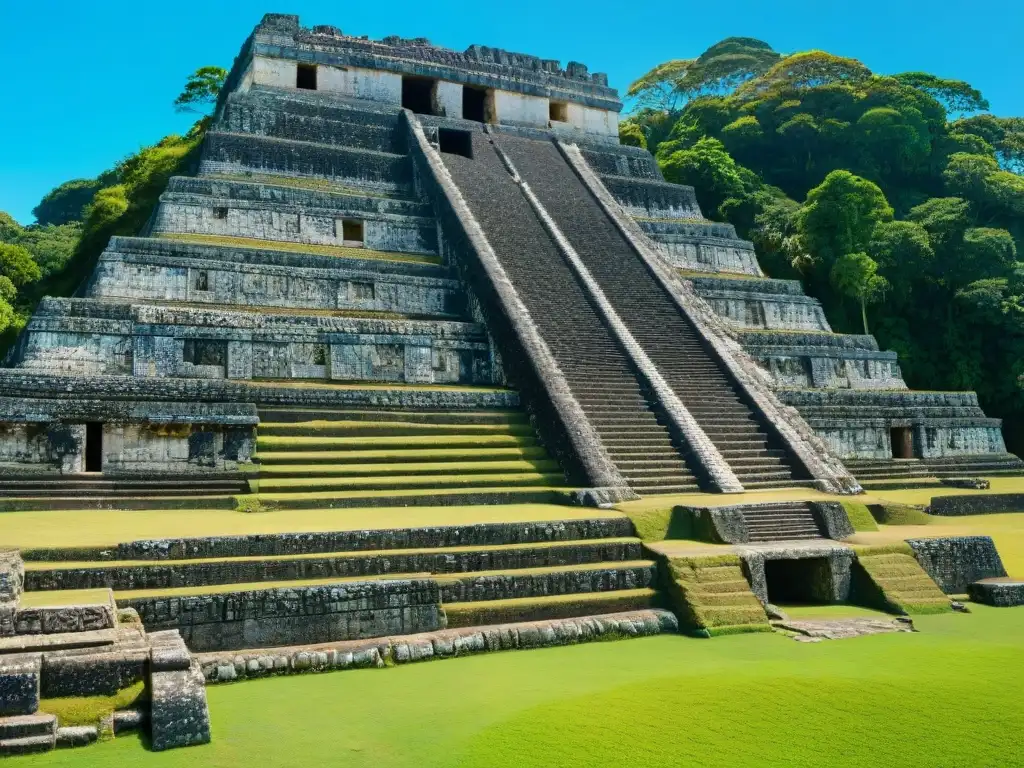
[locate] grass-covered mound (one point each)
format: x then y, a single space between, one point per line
890 578
945 696
711 594
860 516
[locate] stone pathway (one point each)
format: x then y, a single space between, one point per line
816 630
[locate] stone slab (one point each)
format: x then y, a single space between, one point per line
1003 593
180 716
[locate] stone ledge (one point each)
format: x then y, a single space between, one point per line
955 562
982 504
228 667
997 592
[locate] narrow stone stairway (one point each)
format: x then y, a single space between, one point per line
668 338
781 522
599 373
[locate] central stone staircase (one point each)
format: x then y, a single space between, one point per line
367 457
781 522
669 339
599 373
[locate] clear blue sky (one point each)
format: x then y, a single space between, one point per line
85 84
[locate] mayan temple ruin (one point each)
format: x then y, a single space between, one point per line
406 276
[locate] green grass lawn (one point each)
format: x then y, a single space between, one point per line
950 695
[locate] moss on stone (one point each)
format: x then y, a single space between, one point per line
290 247
90 710
487 612
860 517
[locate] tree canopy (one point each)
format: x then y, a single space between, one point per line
896 199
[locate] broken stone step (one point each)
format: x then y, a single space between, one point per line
76 735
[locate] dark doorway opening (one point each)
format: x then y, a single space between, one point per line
558 111
474 104
94 447
418 94
352 231
902 440
455 142
305 77
806 580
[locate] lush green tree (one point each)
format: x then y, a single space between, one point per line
65 202
856 275
904 254
631 134
201 90
840 216
9 228
17 265
956 96
711 171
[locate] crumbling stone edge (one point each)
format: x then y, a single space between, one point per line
229 666
582 437
809 449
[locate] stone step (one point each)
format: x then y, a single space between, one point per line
361 469
413 417
27 745
485 613
23 726
397 482
340 428
128 576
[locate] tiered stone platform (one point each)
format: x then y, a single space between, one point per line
412 281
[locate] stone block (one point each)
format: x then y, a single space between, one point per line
1003 593
179 714
19 684
955 562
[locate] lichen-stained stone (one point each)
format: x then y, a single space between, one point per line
1002 593
180 716
20 684
955 562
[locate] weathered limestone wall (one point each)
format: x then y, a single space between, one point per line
141 448
158 270
238 154
42 447
289 616
956 561
292 225
193 343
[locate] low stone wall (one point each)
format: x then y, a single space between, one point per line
955 562
1001 594
12 581
980 504
242 665
276 617
279 544
187 573
21 383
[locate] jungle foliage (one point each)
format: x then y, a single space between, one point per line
75 220
897 200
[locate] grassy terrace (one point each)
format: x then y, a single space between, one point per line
742 700
320 250
352 555
102 527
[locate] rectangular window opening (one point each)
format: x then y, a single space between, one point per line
475 104
351 231
305 77
220 213
202 280
558 112
205 352
319 354
418 94
94 447
455 142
